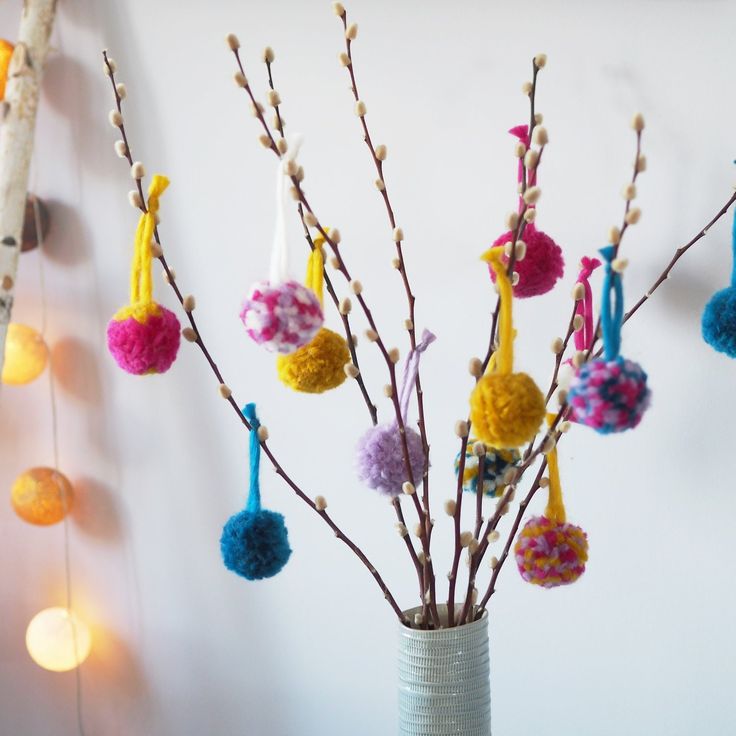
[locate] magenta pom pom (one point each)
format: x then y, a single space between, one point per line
551 554
381 458
609 396
542 266
148 346
281 318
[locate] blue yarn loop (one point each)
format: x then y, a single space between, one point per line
733 249
254 491
611 318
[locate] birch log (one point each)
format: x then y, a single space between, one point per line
16 142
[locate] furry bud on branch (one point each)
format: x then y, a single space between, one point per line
527 88
262 433
351 33
122 90
398 235
115 118
320 503
461 428
137 171
450 507
479 449
351 370
268 55
637 122
532 195
225 391
633 216
274 98
121 149
338 9
344 58
134 198
629 192
232 41
394 355
475 367
557 345
381 152
540 61
345 306
578 292
408 488
189 334
189 303
356 287
614 236
360 108
465 539
540 136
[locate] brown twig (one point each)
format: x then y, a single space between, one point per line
227 394
400 264
296 176
345 319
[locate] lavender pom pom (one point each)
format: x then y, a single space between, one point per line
381 458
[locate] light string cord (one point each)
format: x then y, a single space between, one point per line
55 449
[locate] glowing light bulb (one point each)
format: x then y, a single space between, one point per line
26 355
41 496
58 640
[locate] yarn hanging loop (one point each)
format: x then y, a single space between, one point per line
254 487
279 272
522 133
585 336
141 278
555 510
316 271
411 371
612 316
504 356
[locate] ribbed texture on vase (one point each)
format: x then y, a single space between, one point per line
444 686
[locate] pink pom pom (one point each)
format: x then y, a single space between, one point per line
542 266
148 346
551 554
609 395
281 318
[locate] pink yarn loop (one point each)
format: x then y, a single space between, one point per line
522 133
411 369
584 338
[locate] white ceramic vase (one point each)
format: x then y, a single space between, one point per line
444 685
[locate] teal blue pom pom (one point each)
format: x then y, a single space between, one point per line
497 463
719 321
255 544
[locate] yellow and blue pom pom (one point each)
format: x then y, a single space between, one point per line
496 465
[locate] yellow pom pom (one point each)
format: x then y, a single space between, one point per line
316 367
506 409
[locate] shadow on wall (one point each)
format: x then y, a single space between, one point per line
95 511
67 241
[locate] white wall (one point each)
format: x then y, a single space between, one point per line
645 643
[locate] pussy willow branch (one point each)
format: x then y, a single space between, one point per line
564 410
322 513
411 300
372 410
518 234
341 266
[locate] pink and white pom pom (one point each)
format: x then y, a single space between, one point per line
281 314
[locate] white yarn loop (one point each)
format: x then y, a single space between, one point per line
280 252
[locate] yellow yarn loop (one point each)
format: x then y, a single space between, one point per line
555 510
316 270
141 280
505 354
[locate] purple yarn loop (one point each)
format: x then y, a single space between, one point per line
411 369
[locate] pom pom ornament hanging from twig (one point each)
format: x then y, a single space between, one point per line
609 394
549 551
381 457
496 464
506 408
319 365
543 264
255 543
281 314
719 316
144 337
